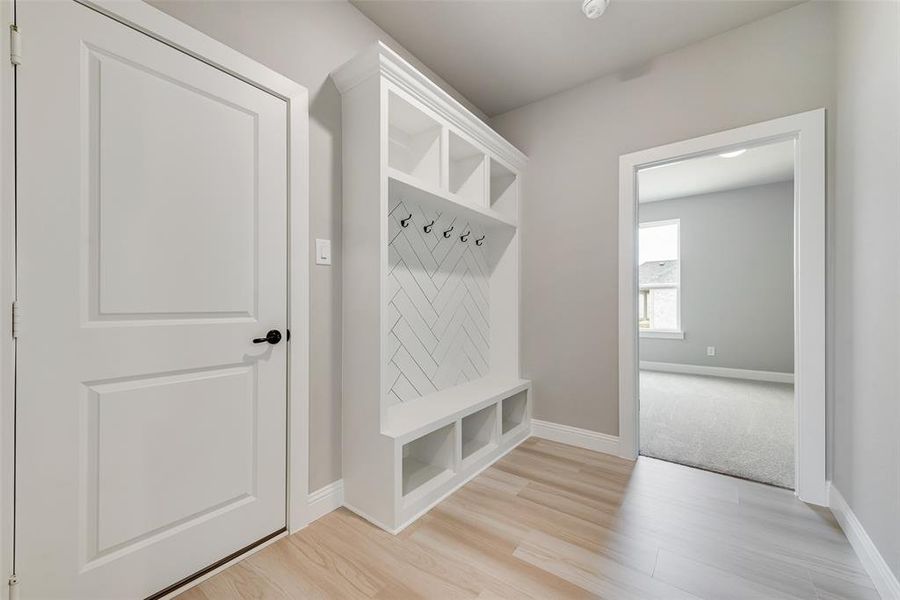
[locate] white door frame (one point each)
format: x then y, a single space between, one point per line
808 131
172 32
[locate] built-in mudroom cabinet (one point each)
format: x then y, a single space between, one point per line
432 392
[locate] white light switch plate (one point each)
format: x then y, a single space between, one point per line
710 350
323 252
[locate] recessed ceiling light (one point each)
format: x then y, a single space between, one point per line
594 8
732 154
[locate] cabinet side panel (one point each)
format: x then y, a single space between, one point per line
505 295
367 455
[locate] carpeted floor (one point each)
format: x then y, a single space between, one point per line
732 426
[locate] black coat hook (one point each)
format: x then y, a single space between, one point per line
479 241
464 236
447 233
428 227
405 222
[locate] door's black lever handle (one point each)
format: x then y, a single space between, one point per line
273 337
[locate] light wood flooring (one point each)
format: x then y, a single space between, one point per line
553 521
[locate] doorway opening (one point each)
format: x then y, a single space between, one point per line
715 312
671 291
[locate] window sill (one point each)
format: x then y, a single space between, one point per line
662 334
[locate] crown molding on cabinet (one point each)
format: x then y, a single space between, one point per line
378 59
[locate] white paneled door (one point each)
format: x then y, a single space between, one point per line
151 215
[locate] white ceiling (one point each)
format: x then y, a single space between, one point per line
505 54
706 174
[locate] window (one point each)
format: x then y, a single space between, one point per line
659 297
644 308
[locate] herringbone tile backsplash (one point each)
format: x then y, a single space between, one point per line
439 304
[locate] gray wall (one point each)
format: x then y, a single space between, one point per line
737 286
773 67
306 41
866 293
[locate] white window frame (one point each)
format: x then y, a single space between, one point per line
678 332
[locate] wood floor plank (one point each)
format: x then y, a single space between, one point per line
501 481
594 572
242 581
195 593
513 575
753 566
333 570
580 456
395 577
830 587
551 521
392 554
709 582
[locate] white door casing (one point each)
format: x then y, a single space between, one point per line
152 246
807 129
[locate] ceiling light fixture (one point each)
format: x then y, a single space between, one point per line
732 154
592 9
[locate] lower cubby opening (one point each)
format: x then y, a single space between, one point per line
427 458
514 411
478 431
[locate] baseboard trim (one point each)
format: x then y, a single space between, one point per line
326 499
574 436
728 372
884 579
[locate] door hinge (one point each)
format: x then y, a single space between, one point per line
15 45
16 319
13 588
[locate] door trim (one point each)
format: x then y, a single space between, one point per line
7 296
168 30
808 131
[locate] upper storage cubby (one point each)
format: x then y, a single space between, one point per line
414 141
467 170
504 189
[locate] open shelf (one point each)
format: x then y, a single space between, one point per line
414 141
467 170
408 419
478 431
408 188
514 411
427 458
504 190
